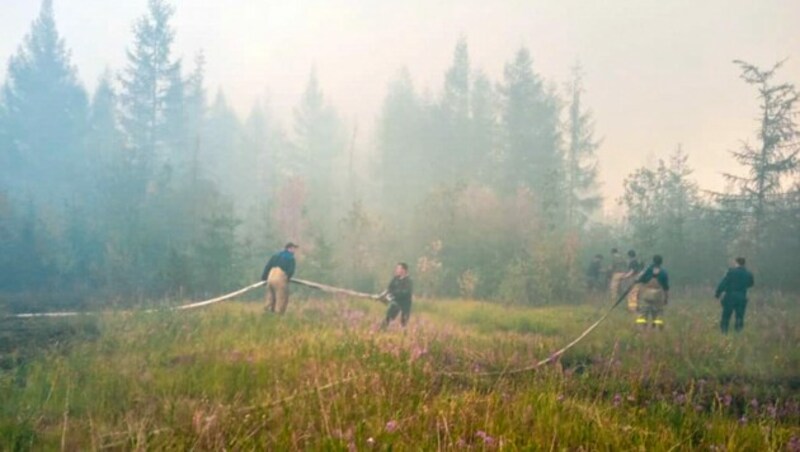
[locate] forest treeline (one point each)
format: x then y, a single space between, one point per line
150 187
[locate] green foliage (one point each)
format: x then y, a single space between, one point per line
666 215
216 256
360 239
320 377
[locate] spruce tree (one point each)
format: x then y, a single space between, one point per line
221 152
774 155
581 162
150 94
319 145
43 114
402 167
531 155
482 134
453 158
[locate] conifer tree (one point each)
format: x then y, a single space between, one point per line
150 97
43 115
453 158
581 162
319 144
773 157
531 155
402 167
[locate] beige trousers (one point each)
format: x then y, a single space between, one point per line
277 290
616 281
633 297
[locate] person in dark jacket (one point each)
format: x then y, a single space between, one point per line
653 294
277 273
398 295
734 285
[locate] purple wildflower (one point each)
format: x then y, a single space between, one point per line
617 399
487 439
391 426
417 352
743 420
794 444
727 400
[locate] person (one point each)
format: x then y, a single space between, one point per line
399 295
634 268
277 273
653 294
617 270
594 277
734 285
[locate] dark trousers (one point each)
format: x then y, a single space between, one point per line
733 303
398 307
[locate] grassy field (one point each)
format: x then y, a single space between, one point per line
323 377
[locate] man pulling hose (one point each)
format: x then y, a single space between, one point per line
398 295
653 294
277 273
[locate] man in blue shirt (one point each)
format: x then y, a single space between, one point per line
734 285
653 294
277 273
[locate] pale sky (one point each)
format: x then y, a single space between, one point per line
658 72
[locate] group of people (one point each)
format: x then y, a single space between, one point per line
648 289
280 269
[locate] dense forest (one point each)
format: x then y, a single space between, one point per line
151 187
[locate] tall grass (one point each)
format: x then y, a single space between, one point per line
324 377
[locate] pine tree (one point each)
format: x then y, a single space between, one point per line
43 114
581 163
149 91
531 149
